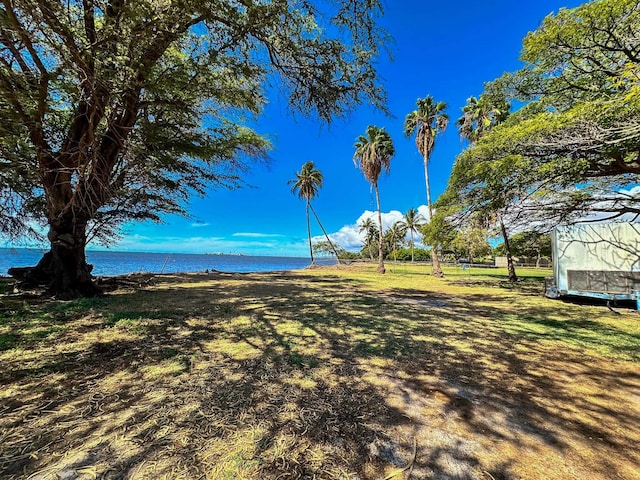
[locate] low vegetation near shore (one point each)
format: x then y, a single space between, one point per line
326 373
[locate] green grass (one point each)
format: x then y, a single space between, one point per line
298 374
7 341
518 310
6 286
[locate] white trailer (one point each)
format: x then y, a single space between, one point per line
596 260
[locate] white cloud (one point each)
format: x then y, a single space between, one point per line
347 237
350 238
424 211
199 224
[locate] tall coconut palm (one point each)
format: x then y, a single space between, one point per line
411 222
426 122
370 230
479 116
307 185
374 151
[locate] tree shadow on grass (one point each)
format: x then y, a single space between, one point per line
169 393
526 285
261 376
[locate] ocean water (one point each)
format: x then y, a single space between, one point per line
120 263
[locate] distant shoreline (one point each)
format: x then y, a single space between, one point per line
111 263
43 250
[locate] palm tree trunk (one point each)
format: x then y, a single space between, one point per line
510 267
395 250
436 269
426 179
411 233
325 233
313 262
381 268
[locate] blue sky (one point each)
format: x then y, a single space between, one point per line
445 49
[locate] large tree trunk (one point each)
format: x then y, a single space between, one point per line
380 268
63 270
510 267
436 269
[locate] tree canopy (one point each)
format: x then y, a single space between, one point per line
308 182
528 244
481 114
116 111
579 132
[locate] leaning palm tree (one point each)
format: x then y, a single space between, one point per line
307 184
411 222
333 247
373 155
426 122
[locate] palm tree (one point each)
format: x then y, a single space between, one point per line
479 116
426 122
307 185
397 233
369 228
412 222
373 155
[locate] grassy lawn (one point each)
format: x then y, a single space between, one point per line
330 373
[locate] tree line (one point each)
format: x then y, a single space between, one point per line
469 246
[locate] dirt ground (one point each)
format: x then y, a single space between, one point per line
317 375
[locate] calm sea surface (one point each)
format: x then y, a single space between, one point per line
119 263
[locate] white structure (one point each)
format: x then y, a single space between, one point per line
596 260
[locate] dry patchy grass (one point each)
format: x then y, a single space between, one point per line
333 373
